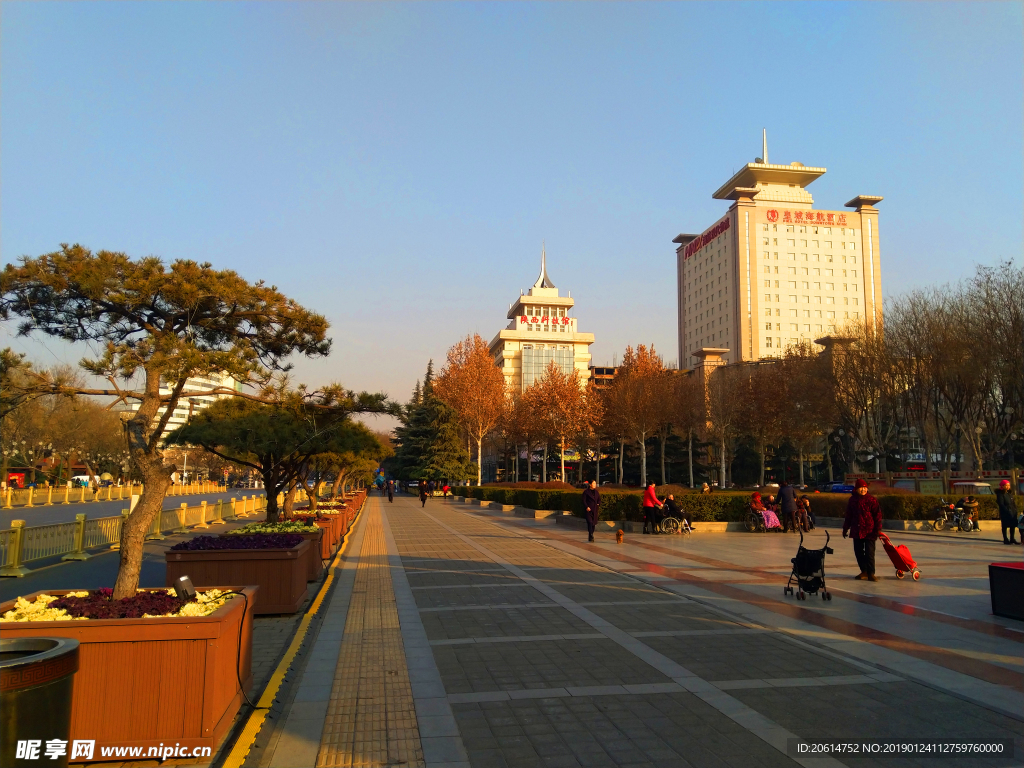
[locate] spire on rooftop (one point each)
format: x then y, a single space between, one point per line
543 281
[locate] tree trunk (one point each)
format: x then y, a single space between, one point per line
270 483
597 458
622 451
133 533
663 438
529 462
479 460
802 466
544 466
561 449
689 454
289 499
761 456
721 474
643 459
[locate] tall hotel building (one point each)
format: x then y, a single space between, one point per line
540 332
773 271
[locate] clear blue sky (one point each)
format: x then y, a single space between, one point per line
397 167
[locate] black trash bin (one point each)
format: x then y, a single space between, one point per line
37 676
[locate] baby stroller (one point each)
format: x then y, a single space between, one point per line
809 571
901 559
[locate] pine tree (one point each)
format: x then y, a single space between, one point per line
429 446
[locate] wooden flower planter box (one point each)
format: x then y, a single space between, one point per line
145 681
280 574
316 556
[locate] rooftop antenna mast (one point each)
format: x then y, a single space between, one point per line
764 146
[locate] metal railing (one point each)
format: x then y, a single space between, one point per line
20 544
47 496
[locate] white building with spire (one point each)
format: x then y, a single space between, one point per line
540 331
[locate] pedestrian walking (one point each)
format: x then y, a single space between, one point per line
863 523
391 491
423 493
651 509
1007 513
787 503
591 507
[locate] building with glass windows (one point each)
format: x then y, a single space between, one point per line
774 271
540 331
195 396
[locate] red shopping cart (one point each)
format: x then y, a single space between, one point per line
901 559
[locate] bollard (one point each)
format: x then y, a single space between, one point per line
202 516
234 507
7 502
79 553
49 496
124 521
182 513
218 515
155 533
13 566
67 494
29 502
82 500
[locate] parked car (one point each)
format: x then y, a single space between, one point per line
836 488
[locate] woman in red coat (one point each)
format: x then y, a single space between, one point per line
863 523
651 507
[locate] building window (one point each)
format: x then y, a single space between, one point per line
767 326
792 270
832 315
794 327
792 313
792 299
830 300
768 312
830 286
768 342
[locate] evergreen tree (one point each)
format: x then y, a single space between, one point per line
429 446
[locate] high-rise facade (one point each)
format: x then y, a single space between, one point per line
774 271
194 397
540 331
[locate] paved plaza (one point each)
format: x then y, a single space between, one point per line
453 636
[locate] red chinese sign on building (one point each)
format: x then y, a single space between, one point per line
808 217
706 238
545 319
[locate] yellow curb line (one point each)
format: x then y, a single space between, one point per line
252 727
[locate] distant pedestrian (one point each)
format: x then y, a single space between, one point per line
391 491
706 489
863 523
804 513
423 493
591 507
445 490
652 507
787 504
430 487
1007 513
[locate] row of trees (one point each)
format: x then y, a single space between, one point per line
943 378
60 432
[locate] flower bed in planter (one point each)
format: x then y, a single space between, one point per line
336 522
145 680
319 538
276 563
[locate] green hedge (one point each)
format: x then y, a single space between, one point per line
718 507
615 505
